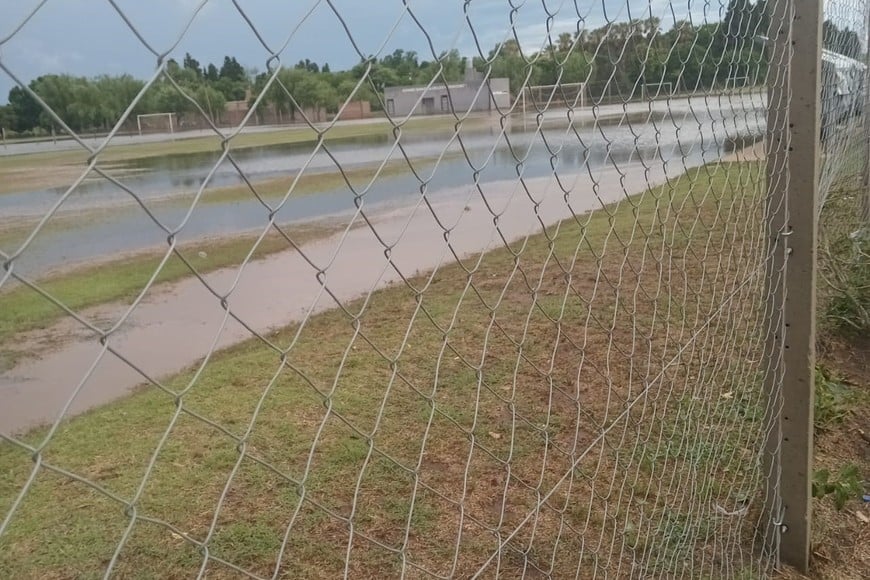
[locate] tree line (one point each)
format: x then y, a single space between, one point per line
96 103
615 59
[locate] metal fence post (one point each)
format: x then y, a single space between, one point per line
800 283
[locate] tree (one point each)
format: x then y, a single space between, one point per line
232 90
211 73
325 69
379 76
191 63
24 109
116 94
506 61
453 65
314 92
231 69
7 118
844 41
575 68
308 65
210 100
345 91
279 93
760 19
509 48
403 64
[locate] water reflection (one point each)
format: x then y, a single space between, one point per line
485 155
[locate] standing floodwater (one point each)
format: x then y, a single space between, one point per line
112 222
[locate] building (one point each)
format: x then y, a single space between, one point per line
473 93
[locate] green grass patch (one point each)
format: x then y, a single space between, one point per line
378 439
119 279
23 309
834 399
844 250
843 486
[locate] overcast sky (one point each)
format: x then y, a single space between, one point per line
89 37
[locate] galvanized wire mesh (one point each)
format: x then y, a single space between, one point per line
844 212
545 357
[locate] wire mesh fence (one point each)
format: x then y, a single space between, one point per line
505 314
844 212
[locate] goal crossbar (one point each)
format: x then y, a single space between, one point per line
568 95
146 116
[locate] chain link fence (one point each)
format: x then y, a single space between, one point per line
844 256
496 299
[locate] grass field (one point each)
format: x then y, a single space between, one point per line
31 171
591 388
22 309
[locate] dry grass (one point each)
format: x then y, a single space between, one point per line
591 388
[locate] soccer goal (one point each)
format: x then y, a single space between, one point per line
736 82
156 123
653 91
547 97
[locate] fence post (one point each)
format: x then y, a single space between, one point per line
800 284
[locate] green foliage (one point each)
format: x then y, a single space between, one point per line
844 249
192 64
846 485
98 103
617 59
7 117
849 277
25 111
232 70
833 400
845 41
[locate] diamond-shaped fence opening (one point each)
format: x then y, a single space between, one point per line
498 292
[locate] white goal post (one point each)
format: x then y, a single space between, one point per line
148 116
651 91
736 82
561 96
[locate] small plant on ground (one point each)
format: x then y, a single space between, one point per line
847 484
833 400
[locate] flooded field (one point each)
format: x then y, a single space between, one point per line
99 218
409 210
